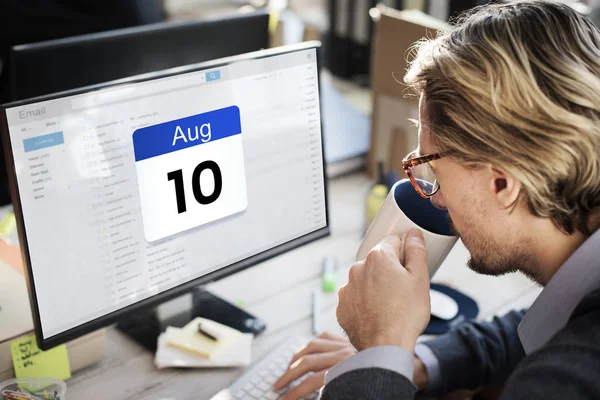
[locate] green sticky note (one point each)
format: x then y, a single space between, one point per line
31 362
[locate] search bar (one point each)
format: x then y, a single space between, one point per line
143 89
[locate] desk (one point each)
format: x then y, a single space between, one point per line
280 293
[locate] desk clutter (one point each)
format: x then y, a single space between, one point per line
203 343
33 389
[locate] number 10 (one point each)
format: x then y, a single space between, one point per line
177 176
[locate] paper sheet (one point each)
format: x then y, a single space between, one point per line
238 353
188 338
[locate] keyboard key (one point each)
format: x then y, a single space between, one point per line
273 368
258 384
264 386
272 395
241 395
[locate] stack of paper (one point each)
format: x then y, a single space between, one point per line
185 347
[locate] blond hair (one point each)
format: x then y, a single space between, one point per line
518 85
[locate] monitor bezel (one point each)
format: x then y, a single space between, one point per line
19 52
155 300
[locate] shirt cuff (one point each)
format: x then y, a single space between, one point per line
393 358
432 365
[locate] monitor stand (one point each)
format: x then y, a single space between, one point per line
145 327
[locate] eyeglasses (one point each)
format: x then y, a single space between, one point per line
421 173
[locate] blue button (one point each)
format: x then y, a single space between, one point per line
213 76
44 141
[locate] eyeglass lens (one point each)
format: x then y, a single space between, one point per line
425 178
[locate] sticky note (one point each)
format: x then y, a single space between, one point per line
273 21
188 338
8 224
31 362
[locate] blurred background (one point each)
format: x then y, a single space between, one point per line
360 65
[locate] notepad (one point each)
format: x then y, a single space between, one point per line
236 354
189 339
31 362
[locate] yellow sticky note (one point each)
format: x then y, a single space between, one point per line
8 223
31 362
188 338
273 21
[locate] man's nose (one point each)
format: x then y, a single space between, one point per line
438 200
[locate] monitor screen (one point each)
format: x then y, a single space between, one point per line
131 194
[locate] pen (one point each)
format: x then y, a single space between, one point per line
316 307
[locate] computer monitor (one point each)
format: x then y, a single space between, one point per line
64 64
57 65
131 194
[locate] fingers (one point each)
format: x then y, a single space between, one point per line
312 363
309 385
415 253
388 249
391 245
319 345
330 336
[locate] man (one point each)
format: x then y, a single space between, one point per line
510 109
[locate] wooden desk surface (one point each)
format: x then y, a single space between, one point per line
279 291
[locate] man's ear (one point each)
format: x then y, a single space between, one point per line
504 187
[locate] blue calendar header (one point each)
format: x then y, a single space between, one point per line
166 137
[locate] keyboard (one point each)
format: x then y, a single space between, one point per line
257 382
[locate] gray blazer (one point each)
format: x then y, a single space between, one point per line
480 354
550 352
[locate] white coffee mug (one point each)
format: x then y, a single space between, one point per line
403 210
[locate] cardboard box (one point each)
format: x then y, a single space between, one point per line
311 32
392 134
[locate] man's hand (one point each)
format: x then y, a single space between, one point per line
385 303
420 377
317 357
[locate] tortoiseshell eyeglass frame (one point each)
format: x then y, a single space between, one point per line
409 163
